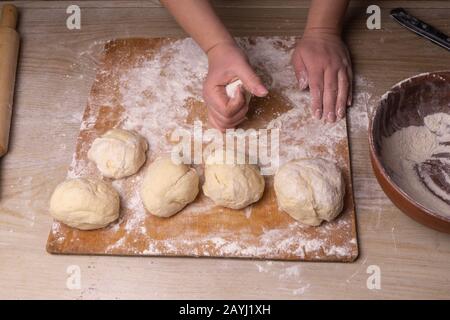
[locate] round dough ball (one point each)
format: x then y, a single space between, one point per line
168 187
118 153
85 204
310 190
232 185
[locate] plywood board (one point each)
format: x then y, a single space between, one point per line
153 86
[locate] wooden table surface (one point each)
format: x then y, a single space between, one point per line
55 74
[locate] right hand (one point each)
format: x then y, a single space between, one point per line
226 63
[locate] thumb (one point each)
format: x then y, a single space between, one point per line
252 82
301 74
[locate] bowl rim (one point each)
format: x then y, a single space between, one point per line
376 158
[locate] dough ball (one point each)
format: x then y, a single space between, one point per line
310 190
232 185
231 90
168 187
118 153
85 204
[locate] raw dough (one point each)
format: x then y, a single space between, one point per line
85 204
118 153
232 185
167 187
310 190
231 90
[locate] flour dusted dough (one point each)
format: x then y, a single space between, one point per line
85 204
118 153
168 187
232 185
310 190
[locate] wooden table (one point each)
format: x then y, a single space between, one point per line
55 73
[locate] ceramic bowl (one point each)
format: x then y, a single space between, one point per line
407 104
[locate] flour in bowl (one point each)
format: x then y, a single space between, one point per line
408 152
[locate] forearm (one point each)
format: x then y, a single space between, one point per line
326 16
199 20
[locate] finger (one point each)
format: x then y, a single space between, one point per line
342 97
238 107
217 123
350 84
215 95
235 104
235 123
225 122
215 98
238 121
316 91
330 95
300 73
242 111
224 106
212 123
252 82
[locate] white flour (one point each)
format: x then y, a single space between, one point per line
156 104
154 95
413 145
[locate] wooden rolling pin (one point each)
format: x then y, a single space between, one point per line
9 51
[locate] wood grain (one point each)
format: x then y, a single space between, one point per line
55 73
216 231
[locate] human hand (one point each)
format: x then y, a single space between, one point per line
322 62
226 63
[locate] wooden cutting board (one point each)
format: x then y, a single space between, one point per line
153 86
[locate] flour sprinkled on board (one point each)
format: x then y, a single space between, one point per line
154 93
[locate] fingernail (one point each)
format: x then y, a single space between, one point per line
261 91
341 113
331 117
303 82
318 114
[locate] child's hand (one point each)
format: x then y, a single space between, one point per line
322 61
226 64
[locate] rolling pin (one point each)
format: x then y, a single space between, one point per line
9 51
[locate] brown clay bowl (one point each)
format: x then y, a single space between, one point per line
406 104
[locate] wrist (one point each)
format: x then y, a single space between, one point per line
224 50
322 32
221 46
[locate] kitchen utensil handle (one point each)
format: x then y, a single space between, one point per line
9 16
9 51
421 28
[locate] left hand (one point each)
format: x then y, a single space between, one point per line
322 62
